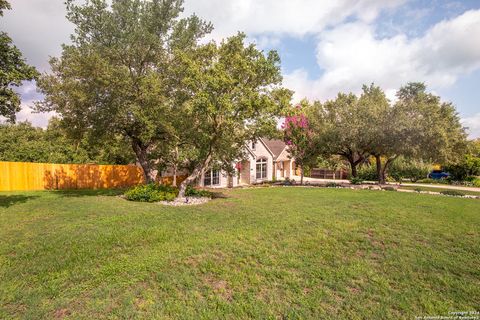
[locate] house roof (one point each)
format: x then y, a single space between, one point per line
275 146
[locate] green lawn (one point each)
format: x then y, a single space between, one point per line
280 253
433 189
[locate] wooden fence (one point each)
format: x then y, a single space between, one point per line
328 174
17 176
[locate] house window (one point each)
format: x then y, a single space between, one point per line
261 168
211 178
253 145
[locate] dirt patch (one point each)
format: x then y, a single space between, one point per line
62 313
219 286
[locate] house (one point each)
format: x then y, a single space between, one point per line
267 159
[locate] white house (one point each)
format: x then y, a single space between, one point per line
267 160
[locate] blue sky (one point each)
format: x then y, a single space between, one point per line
326 46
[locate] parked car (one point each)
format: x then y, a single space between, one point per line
438 174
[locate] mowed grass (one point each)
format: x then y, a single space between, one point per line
279 253
433 189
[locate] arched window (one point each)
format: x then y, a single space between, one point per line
261 168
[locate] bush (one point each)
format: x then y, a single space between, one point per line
151 193
367 173
412 170
454 193
331 185
476 182
356 180
418 190
192 192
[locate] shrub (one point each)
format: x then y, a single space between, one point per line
356 180
418 190
367 173
476 182
331 185
403 169
454 193
192 192
151 193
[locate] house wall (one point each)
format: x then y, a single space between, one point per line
261 152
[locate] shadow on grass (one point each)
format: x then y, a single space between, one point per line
218 195
10 200
88 192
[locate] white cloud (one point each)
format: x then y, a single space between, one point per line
473 125
38 28
351 55
295 18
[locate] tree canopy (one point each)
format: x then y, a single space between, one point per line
115 77
417 126
229 93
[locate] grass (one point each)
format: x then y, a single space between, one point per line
433 189
289 253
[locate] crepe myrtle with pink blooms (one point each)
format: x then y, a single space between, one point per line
298 136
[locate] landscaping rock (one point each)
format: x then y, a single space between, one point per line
188 201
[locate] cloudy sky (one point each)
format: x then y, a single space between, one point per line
326 46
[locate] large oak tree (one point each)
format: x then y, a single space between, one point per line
229 93
114 79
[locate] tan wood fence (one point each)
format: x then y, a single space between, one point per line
322 173
17 176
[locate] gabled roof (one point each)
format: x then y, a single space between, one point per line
275 146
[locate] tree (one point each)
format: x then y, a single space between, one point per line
23 142
114 79
13 71
339 130
469 163
418 126
299 138
230 93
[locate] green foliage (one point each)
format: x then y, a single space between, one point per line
356 180
192 192
367 173
13 71
331 185
115 77
23 142
413 170
230 93
154 192
151 193
454 193
337 129
476 182
469 165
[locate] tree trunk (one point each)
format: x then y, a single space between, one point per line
301 175
197 172
175 166
174 182
353 167
380 170
140 151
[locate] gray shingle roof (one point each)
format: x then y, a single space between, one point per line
275 145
